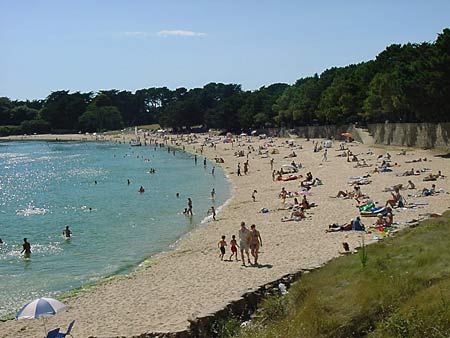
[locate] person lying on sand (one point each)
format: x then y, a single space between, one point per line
296 213
417 160
355 224
397 186
430 177
408 172
362 164
429 191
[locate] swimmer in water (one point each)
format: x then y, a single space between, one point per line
26 248
141 189
67 232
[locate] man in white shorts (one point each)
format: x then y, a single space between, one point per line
244 242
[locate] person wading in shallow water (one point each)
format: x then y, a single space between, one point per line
189 210
26 248
67 232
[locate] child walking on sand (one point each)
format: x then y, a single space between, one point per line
234 247
221 245
254 195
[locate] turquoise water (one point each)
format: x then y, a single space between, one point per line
47 185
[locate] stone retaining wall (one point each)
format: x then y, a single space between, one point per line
420 135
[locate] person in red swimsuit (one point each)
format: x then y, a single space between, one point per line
234 246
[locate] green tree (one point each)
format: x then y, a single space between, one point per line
100 118
62 110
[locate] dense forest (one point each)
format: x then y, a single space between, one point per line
404 83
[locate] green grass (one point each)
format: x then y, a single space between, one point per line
402 290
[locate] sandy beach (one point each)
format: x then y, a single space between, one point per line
191 281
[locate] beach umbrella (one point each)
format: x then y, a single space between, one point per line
41 307
346 134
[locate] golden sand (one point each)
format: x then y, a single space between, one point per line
191 281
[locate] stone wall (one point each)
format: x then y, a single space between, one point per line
421 135
329 131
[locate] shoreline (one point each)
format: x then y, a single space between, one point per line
148 260
293 246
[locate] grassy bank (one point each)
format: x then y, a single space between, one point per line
402 291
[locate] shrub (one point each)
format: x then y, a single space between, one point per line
35 126
10 130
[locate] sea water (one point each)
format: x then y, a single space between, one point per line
45 186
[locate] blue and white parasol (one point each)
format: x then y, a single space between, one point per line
41 307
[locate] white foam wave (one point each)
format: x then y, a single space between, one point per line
31 211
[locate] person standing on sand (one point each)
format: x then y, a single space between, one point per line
234 246
244 242
26 248
189 211
221 245
254 195
239 169
255 242
271 164
324 156
283 195
213 212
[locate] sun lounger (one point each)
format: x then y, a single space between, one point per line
53 333
69 329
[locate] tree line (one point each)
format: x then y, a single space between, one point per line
404 83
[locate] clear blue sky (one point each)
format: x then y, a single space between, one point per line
81 45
